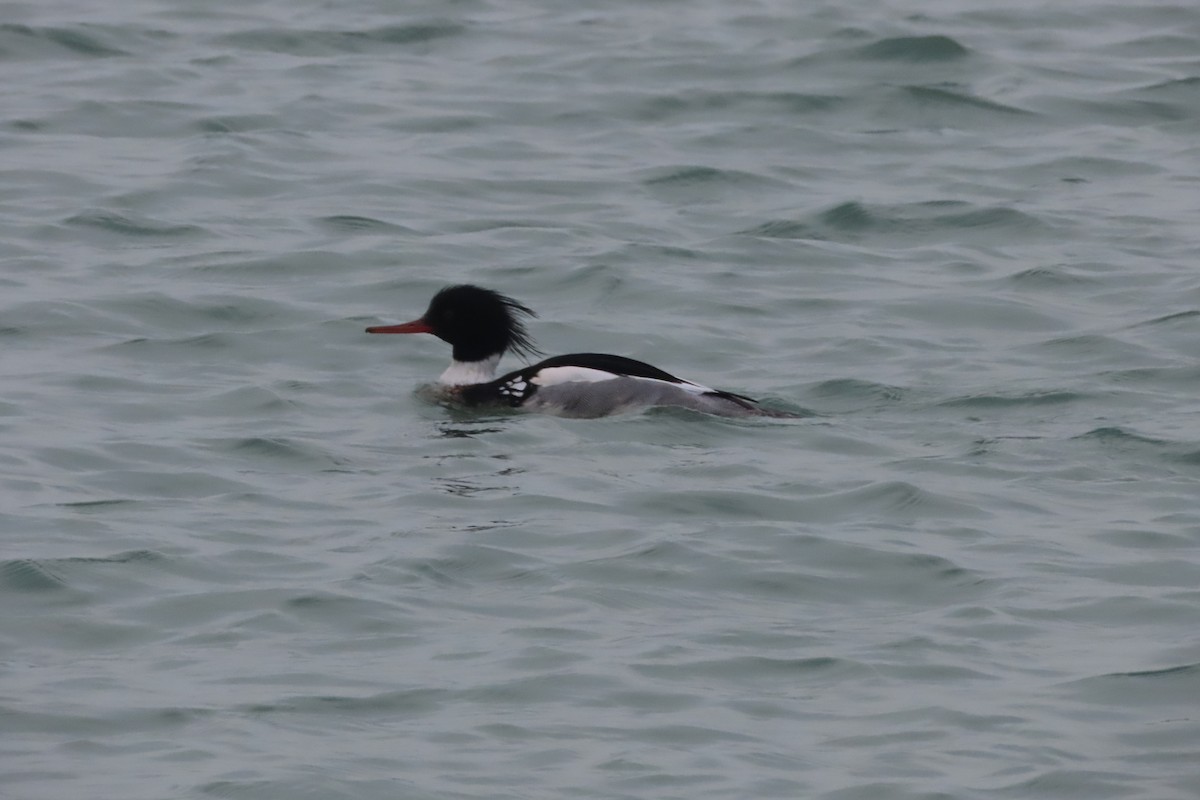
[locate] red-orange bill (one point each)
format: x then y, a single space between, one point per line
416 326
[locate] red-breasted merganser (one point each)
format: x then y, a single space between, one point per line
481 325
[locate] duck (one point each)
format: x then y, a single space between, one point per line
482 325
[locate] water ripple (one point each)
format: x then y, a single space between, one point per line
915 48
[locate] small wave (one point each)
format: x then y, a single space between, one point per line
938 96
112 222
890 499
1122 440
408 701
661 107
784 229
1049 277
854 389
759 667
934 218
702 175
350 223
1185 670
29 40
915 48
1178 316
850 217
318 42
1186 88
97 505
237 123
274 449
127 557
27 575
1002 401
1167 687
1115 434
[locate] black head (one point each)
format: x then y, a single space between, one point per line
477 322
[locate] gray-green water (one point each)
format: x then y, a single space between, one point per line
241 560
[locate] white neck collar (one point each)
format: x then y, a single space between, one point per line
464 373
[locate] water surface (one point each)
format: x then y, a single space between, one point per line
243 560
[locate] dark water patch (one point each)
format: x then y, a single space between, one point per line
1174 573
470 564
76 459
1054 277
494 224
301 266
405 702
1147 540
127 557
851 217
25 41
938 674
1088 168
131 226
331 787
715 503
63 317
282 450
933 220
784 229
540 689
937 97
1119 436
637 251
128 720
202 312
893 501
916 49
1034 398
98 505
703 177
167 347
996 217
1169 687
1181 88
181 484
807 670
246 401
27 575
440 123
705 103
1122 111
1076 783
121 119
347 223
858 392
237 123
1191 315
1090 349
1118 440
301 42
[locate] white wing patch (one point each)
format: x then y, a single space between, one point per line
555 375
552 376
514 388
